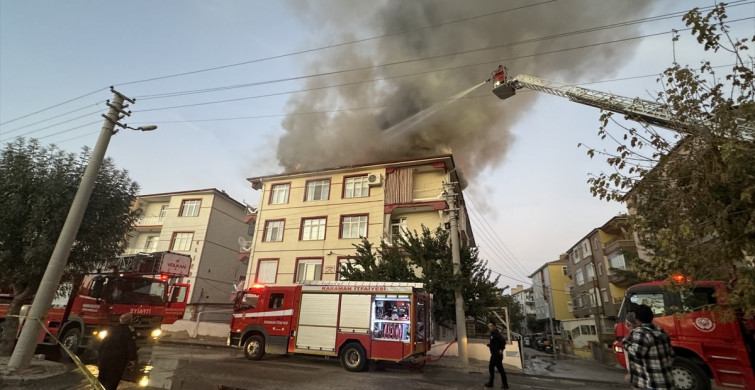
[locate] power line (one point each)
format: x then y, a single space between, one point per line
53 106
51 118
56 124
330 46
418 73
532 40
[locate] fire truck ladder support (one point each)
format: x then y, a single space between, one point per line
637 109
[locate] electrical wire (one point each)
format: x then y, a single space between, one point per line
654 18
330 46
51 118
510 44
53 106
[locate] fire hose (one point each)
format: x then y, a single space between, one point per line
442 353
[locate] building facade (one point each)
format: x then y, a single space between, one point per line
205 224
550 287
525 298
308 222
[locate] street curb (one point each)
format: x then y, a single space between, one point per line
39 369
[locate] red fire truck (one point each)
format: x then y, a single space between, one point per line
705 347
355 321
140 284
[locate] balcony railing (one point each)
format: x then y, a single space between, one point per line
617 245
150 221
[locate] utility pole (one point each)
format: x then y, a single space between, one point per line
27 341
461 322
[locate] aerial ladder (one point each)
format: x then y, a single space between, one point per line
646 111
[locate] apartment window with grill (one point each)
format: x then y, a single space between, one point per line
279 193
182 241
267 271
273 231
312 229
342 264
590 272
151 244
308 269
190 208
163 213
354 226
580 277
356 187
398 229
318 190
617 261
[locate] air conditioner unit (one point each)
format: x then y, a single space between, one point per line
374 179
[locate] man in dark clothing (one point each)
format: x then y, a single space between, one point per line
497 345
117 351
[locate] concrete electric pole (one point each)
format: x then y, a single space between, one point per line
27 341
461 322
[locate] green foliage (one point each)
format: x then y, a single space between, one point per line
37 185
429 253
692 185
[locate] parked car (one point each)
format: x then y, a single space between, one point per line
527 341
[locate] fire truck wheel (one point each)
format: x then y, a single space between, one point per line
72 339
254 347
353 357
689 376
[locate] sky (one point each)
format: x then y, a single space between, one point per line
249 88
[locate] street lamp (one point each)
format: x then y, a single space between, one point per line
27 340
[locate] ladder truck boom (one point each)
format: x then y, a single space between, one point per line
637 109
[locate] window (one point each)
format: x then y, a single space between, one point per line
579 302
151 244
699 298
267 271
318 190
190 208
312 229
570 306
398 228
163 213
590 271
654 300
182 241
276 301
354 227
273 231
308 269
580 277
600 269
617 261
604 292
356 187
565 271
279 193
342 266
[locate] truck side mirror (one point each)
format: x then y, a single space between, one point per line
98 284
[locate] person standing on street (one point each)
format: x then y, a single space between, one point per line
649 353
116 352
497 345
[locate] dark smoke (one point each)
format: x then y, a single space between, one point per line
474 128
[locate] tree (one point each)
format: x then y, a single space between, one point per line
429 253
693 187
37 185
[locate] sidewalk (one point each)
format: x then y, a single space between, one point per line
38 370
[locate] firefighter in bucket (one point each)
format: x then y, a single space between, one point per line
499 76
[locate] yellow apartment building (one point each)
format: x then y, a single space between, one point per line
308 222
551 286
205 224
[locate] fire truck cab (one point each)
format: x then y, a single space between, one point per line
356 321
706 346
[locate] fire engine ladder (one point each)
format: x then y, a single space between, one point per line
637 109
142 263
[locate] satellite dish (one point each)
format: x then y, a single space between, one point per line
244 244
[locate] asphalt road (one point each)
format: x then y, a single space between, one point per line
193 367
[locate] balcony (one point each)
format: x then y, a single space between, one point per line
149 223
619 245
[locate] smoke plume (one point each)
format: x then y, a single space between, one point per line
386 120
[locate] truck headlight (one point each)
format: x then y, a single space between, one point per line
156 333
618 349
144 381
100 334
